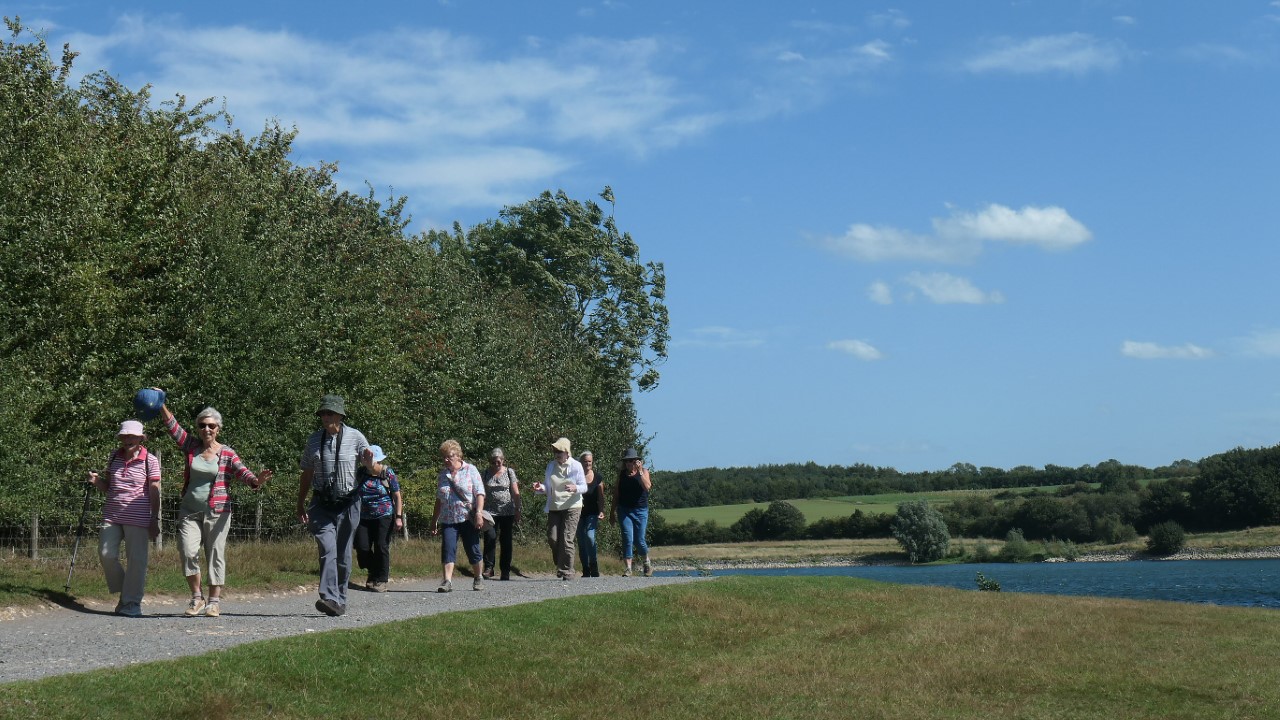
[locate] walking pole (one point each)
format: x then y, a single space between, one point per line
79 534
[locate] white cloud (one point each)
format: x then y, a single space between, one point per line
960 237
1125 20
1070 53
879 243
946 289
856 348
1260 343
880 293
410 102
1049 227
719 336
1152 351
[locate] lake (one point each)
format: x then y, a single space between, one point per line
1252 583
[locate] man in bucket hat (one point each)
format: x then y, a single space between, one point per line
329 475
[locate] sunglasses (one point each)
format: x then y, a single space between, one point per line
211 426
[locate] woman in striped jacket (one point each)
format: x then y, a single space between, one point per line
204 517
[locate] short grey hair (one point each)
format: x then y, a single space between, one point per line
210 413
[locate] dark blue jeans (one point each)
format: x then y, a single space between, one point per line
587 547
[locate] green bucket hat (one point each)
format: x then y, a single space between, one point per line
332 403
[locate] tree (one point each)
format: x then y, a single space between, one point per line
1238 489
921 531
569 256
781 521
1166 538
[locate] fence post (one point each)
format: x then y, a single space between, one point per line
257 523
34 552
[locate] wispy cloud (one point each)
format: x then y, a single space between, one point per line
719 336
1153 351
1069 54
880 293
947 289
960 237
857 348
1260 343
421 105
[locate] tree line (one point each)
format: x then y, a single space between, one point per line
149 243
764 483
1229 491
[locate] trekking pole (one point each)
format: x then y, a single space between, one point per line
79 534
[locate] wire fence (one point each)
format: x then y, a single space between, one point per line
49 535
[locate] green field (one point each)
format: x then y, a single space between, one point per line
834 507
740 647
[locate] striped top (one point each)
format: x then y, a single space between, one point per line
229 464
127 501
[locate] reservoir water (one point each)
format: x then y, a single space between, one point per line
1254 583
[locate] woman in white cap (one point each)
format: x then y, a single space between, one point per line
131 481
564 485
204 515
381 513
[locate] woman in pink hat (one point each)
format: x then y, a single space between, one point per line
131 514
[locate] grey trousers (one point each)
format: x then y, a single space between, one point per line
335 532
129 582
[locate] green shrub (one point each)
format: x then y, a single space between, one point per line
1166 538
921 531
1016 548
987 584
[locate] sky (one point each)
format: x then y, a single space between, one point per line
907 235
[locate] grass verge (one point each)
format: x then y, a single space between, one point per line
734 647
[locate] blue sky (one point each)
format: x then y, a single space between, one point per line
908 235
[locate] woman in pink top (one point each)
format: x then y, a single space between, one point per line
131 513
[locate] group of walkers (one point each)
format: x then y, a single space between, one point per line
350 499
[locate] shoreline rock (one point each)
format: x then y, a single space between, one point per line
685 565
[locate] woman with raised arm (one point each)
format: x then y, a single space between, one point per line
204 515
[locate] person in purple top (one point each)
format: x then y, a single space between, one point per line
459 513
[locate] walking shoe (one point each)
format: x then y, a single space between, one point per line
446 586
129 610
212 609
648 568
370 585
626 572
329 607
477 584
380 586
194 607
505 576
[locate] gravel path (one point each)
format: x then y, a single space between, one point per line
62 640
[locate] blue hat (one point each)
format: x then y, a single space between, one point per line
147 403
378 455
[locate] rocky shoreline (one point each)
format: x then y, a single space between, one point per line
693 567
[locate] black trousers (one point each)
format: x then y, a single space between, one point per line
373 547
500 534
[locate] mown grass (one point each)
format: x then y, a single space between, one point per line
733 647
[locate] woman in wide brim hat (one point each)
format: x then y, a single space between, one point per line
631 509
